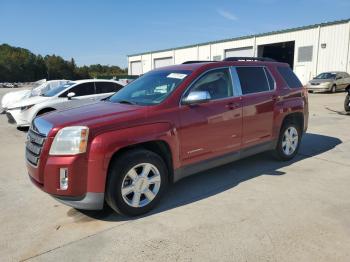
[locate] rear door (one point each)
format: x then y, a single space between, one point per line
212 128
258 98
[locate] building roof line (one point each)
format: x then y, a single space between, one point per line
343 21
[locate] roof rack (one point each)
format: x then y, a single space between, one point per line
266 59
199 61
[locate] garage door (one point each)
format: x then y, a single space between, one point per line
240 52
136 68
160 62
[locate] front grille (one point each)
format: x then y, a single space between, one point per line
315 84
34 145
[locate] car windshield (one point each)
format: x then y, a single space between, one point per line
57 90
151 88
326 76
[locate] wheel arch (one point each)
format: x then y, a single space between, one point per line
296 117
44 111
159 147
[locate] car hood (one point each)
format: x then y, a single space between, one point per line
319 81
29 101
97 115
13 97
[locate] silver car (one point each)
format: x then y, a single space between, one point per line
329 82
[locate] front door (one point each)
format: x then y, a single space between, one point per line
212 128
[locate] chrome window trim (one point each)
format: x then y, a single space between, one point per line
236 84
201 75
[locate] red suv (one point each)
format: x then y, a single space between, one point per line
170 123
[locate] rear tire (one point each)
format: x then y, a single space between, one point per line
346 103
136 182
288 142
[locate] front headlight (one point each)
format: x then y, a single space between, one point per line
71 140
23 108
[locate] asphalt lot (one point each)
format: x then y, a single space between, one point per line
256 209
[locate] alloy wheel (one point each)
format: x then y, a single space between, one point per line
290 140
141 185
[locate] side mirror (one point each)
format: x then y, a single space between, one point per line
196 97
70 95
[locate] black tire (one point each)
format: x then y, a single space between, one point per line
118 171
279 150
334 89
346 103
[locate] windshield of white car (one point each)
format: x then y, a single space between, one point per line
150 89
57 90
326 76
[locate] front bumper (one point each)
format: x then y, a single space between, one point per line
319 89
17 117
90 201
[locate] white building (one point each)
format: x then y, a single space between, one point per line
309 50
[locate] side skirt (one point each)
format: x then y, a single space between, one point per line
191 169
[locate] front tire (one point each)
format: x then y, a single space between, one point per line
136 182
288 142
346 103
334 89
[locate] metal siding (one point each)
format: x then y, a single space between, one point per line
333 57
335 35
186 54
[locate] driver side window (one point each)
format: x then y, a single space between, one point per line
216 82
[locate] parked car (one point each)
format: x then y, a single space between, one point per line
16 96
169 123
329 82
23 112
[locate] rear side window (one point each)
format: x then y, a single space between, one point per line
107 87
252 79
289 77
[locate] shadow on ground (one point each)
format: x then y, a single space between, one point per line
220 179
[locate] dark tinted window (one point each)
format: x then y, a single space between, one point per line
270 79
252 79
107 87
289 77
82 89
217 82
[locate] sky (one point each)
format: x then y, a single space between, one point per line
106 31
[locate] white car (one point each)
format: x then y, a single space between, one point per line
65 96
15 96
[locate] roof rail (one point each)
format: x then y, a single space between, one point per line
266 59
199 61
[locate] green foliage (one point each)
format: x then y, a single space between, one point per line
20 65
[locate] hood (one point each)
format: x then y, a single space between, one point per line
97 115
29 101
13 97
318 81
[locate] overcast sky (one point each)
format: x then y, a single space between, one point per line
106 32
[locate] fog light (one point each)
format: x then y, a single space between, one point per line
63 178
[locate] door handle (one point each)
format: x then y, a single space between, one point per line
232 106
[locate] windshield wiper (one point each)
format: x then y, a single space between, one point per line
126 102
